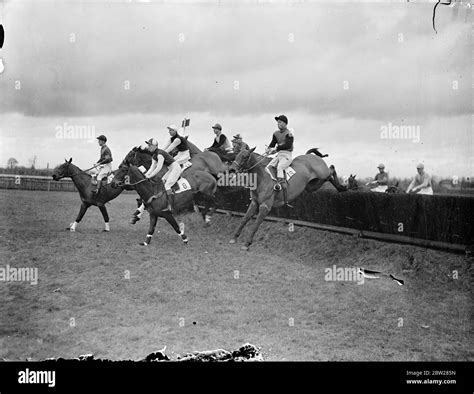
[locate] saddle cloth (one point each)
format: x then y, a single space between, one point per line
110 177
181 185
187 165
380 189
289 172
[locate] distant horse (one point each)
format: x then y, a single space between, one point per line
311 172
153 193
83 183
354 185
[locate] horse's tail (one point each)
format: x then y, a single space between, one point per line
316 152
335 180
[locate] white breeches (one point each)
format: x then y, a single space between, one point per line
281 161
172 175
102 171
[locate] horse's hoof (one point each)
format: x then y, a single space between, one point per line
244 247
105 231
233 241
143 244
72 230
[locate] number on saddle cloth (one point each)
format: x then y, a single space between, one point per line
181 185
289 172
187 165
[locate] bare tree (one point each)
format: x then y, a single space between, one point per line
12 162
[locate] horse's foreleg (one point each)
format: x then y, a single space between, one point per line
264 209
209 210
105 215
172 221
151 229
80 215
252 209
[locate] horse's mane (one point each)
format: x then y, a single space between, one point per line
258 157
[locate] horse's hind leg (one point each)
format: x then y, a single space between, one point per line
151 230
172 221
252 209
80 215
105 215
314 185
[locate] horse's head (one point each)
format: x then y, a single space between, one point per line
63 170
241 161
393 189
126 175
138 157
352 183
121 176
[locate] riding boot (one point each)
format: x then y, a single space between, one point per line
170 195
282 183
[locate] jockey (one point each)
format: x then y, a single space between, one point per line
380 181
421 183
179 143
221 144
239 145
160 158
282 142
104 166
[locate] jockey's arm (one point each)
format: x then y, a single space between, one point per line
423 184
152 167
271 147
170 146
105 158
410 187
155 167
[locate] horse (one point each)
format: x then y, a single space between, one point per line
153 194
201 161
311 172
83 183
390 189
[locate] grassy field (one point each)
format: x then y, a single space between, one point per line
210 294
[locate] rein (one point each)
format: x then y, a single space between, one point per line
84 171
239 167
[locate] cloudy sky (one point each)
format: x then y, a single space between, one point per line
341 72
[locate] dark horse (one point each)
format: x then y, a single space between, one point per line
153 193
83 183
311 173
201 161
